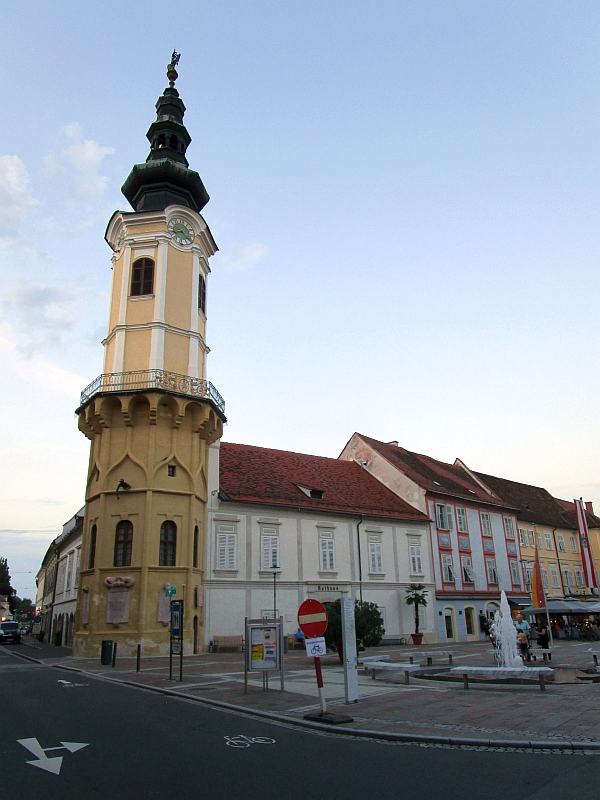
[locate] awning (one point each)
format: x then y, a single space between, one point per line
563 607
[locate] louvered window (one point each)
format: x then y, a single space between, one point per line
142 277
327 548
491 570
486 524
202 293
468 574
461 520
444 516
514 573
509 528
447 569
269 546
375 557
416 564
226 546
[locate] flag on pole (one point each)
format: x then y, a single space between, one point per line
538 597
584 539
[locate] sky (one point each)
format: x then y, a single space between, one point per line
405 199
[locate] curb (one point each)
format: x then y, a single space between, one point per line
363 733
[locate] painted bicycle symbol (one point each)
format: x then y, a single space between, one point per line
246 741
315 649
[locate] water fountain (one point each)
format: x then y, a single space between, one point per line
505 633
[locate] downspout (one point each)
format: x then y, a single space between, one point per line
359 558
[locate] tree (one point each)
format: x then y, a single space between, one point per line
24 606
368 621
5 587
416 595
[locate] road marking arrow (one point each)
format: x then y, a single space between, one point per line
53 764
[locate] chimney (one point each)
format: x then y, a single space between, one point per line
396 443
589 507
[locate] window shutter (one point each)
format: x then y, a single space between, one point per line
221 551
448 510
231 551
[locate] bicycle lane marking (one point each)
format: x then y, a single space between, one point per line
246 741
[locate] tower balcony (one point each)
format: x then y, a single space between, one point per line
142 380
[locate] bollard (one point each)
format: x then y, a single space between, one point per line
465 681
114 658
106 652
139 656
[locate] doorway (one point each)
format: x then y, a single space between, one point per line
449 624
196 635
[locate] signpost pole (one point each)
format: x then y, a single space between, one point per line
281 651
322 702
247 653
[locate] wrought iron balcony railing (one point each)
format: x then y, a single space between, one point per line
153 379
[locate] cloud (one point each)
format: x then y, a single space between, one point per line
15 202
78 164
41 315
242 257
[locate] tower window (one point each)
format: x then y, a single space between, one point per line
92 560
171 470
173 143
123 544
202 294
142 277
161 140
195 553
168 542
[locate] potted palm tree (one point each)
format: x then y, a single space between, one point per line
416 595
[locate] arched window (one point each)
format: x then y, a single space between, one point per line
168 542
123 544
202 294
92 560
161 140
195 553
173 143
142 277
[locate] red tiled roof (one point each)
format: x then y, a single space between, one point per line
434 476
568 512
534 503
251 474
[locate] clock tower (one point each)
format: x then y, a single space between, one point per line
152 414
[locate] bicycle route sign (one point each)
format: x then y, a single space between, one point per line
312 619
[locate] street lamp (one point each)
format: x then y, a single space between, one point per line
275 570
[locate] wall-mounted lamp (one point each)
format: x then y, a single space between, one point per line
122 485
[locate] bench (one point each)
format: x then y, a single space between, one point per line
227 641
430 655
366 659
491 673
391 666
294 642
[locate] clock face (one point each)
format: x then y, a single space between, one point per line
181 231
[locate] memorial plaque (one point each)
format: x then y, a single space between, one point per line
117 605
199 596
164 607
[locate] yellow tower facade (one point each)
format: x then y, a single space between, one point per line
152 414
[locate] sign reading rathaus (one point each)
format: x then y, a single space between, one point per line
152 414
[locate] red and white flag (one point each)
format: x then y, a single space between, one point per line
586 553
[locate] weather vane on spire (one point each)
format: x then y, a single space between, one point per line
171 71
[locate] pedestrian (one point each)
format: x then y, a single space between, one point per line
543 638
523 646
523 625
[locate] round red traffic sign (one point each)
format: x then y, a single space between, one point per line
312 619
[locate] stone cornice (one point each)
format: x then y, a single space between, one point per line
140 326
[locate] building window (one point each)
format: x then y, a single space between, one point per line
486 524
544 577
443 516
123 544
579 579
92 558
514 573
69 571
461 520
573 541
168 544
509 527
539 540
77 567
375 557
560 541
142 277
567 578
171 470
195 552
528 576
523 537
492 573
269 547
202 294
555 576
548 540
467 568
416 564
531 539
327 555
447 569
226 546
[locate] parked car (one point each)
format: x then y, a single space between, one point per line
9 632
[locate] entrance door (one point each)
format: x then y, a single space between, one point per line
195 635
449 623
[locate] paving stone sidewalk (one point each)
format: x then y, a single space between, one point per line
568 711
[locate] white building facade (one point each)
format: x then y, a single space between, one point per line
316 522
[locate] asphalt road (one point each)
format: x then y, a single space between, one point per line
144 745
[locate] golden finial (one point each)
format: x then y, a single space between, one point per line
171 71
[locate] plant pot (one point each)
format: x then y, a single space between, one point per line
417 638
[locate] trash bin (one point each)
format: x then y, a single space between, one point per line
106 652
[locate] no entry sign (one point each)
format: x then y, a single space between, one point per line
312 619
